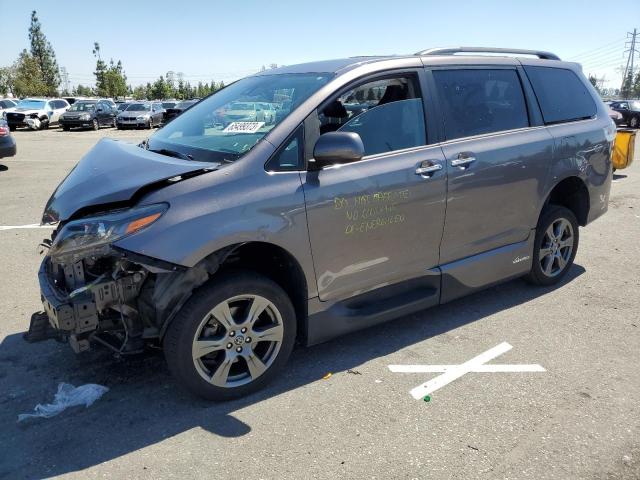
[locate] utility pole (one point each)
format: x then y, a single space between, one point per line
630 59
65 79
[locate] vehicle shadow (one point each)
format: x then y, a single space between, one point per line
617 176
3 168
144 406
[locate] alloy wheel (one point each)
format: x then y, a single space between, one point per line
237 341
556 248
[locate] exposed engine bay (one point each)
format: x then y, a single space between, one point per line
112 297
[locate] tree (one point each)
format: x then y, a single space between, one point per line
101 68
111 80
160 89
7 78
44 57
82 91
28 81
635 90
594 81
627 86
140 93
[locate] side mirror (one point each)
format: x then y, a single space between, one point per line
335 148
100 110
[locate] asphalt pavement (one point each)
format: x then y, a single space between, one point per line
576 417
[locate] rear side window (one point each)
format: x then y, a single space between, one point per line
561 94
478 101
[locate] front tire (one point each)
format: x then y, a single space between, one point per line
634 121
555 245
95 125
232 337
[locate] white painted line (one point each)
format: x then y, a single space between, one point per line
496 368
16 227
458 371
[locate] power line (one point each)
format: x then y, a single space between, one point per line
585 53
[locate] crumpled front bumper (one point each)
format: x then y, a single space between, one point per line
70 317
89 309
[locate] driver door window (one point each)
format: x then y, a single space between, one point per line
387 114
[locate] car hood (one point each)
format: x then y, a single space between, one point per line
110 175
27 111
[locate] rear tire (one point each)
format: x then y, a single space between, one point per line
555 245
241 356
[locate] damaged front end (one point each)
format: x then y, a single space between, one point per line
89 289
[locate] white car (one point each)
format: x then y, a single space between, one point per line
36 113
7 105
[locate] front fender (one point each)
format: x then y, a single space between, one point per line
224 208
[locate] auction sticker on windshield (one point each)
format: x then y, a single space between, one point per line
244 127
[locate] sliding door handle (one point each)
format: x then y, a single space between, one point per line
463 160
428 169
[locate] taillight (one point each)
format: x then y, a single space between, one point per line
3 131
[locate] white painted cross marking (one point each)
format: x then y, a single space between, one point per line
33 225
453 372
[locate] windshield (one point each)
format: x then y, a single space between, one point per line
168 104
123 106
82 107
226 125
26 103
138 107
241 106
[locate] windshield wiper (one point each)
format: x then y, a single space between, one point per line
172 153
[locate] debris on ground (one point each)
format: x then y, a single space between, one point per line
327 376
67 396
354 372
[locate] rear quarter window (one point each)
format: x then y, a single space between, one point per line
562 96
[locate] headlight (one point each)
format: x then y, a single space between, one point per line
85 116
142 117
95 232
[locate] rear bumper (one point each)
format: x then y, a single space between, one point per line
7 146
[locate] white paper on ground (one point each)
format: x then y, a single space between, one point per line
67 396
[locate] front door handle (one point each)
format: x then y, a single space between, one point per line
463 160
428 169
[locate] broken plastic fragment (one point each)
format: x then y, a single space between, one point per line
427 398
67 396
327 375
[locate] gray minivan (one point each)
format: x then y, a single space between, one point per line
384 186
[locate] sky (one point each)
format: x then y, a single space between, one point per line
226 40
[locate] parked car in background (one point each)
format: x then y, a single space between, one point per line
250 112
169 103
89 114
171 113
37 113
7 142
617 117
630 111
122 106
7 105
140 115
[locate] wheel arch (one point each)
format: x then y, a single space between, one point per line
572 193
268 259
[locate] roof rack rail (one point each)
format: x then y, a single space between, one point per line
454 50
